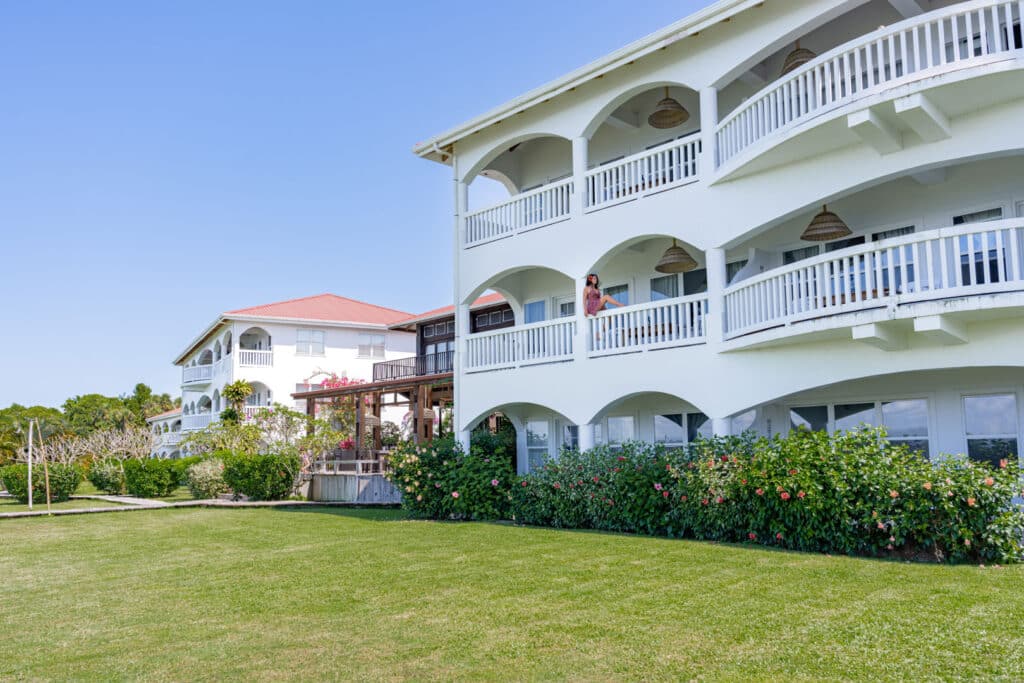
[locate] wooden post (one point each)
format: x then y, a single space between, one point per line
359 423
414 402
376 403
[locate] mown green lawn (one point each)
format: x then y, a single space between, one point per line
211 594
12 505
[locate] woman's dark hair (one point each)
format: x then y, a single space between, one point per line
597 281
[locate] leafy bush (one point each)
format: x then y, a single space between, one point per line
64 479
151 477
440 481
849 493
181 467
205 479
261 476
107 476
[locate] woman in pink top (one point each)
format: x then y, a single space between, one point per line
593 300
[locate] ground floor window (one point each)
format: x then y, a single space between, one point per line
905 420
570 437
991 425
615 430
743 422
670 430
698 426
536 443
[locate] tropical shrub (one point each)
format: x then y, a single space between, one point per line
64 479
205 479
440 481
851 493
261 476
181 467
107 475
151 477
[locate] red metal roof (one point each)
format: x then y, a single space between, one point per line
167 413
485 300
329 307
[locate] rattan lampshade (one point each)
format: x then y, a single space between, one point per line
675 260
668 113
797 58
824 227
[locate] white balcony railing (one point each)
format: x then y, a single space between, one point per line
190 423
171 438
543 342
653 170
526 211
250 411
656 325
252 358
965 260
956 37
196 374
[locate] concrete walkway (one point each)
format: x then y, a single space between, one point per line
125 500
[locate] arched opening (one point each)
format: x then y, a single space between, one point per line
176 426
216 401
227 344
254 339
653 417
205 358
217 354
540 432
204 405
261 398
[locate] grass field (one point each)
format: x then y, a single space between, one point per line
12 505
199 594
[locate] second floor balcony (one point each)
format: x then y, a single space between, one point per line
414 366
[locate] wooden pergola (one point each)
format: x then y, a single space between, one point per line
421 393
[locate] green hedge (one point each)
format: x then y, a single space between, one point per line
851 493
151 477
261 476
107 476
440 481
64 480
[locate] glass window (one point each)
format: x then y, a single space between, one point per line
843 244
309 342
664 287
570 436
428 331
907 422
536 443
371 346
669 430
620 429
495 318
698 426
619 292
794 255
731 269
481 320
508 316
978 216
451 327
814 418
743 422
991 425
895 232
533 312
566 309
853 415
696 281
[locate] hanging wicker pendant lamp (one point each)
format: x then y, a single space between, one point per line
675 260
797 58
824 227
668 113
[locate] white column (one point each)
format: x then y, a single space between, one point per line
464 439
721 426
579 174
461 310
586 436
582 339
715 262
522 455
709 128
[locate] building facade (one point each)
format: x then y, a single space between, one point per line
812 211
284 347
167 434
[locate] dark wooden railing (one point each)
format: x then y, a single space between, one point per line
414 366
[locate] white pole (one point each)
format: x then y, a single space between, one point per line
30 465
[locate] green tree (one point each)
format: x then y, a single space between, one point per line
90 412
144 403
14 427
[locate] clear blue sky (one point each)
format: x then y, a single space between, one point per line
161 162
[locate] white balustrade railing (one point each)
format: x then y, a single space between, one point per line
525 211
250 411
653 170
193 422
171 438
959 36
977 258
196 373
542 342
660 324
252 358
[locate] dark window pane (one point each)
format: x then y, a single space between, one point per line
695 282
814 418
854 415
905 418
915 445
991 450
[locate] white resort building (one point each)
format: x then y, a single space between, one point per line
166 427
283 348
692 169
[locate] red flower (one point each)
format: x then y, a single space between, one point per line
621 458
989 481
664 494
894 494
800 494
971 502
725 458
752 536
557 485
759 492
792 472
596 479
719 499
1003 464
778 536
743 481
784 495
668 468
704 501
525 483
684 497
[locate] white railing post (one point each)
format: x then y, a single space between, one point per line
709 126
582 342
580 149
715 264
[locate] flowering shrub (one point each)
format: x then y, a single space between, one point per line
438 480
107 476
851 493
205 479
64 479
261 476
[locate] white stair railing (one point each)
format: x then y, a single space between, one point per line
543 342
977 258
525 211
955 37
653 170
656 325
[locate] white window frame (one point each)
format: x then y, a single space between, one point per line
526 427
309 342
556 305
976 208
994 391
371 353
831 404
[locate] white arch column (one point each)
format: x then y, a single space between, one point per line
586 436
461 309
709 127
580 151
